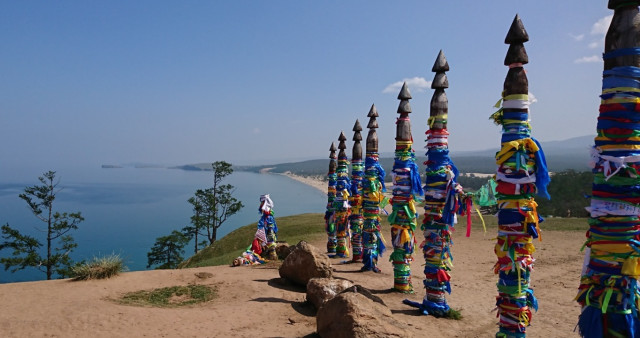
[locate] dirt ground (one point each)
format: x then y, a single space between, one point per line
255 302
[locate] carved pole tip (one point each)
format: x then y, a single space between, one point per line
357 126
404 92
342 137
373 112
517 33
441 64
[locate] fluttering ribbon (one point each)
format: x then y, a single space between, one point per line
608 291
267 226
372 188
341 206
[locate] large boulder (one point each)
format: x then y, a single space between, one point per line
320 290
283 250
305 262
353 314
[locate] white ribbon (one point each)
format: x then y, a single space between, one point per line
523 180
603 207
516 104
611 162
267 203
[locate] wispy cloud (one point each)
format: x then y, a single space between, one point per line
579 37
587 59
601 26
532 98
415 84
594 45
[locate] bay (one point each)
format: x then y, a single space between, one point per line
126 209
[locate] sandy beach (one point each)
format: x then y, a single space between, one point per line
315 181
255 302
320 184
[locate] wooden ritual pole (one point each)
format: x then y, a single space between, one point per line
372 189
521 173
441 200
356 219
341 202
406 183
608 291
329 215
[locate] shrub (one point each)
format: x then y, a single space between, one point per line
99 268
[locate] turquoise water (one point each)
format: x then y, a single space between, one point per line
126 209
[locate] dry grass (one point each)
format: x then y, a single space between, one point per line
99 268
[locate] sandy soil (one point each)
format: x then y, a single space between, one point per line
255 302
315 182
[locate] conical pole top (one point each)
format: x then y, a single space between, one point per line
404 92
517 33
404 107
357 126
441 64
333 147
373 112
342 138
615 4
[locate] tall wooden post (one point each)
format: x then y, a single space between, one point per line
441 199
357 172
521 172
341 203
372 189
329 215
406 183
608 291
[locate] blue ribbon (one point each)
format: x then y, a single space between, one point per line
621 52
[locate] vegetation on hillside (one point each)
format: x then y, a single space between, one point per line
52 256
212 207
310 227
291 229
570 192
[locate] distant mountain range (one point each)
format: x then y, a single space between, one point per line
562 155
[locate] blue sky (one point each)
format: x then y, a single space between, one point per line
255 82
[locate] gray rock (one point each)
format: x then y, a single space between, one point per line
352 314
320 290
305 262
283 250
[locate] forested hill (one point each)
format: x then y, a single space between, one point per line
571 154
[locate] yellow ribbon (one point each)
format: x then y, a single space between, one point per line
509 148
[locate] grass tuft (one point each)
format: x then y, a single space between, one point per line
453 314
173 296
98 268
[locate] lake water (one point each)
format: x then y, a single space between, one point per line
126 209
